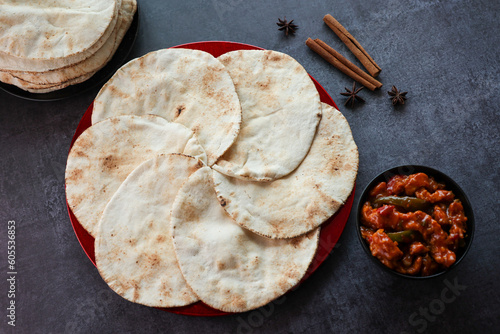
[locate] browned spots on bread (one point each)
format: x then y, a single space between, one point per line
115 253
110 162
71 42
114 120
241 239
183 63
116 93
216 69
315 209
193 168
82 144
272 56
135 286
46 44
209 79
196 129
8 21
333 165
223 99
120 285
221 265
292 272
237 302
80 153
283 284
264 84
141 62
335 204
276 229
161 238
299 69
76 200
165 290
153 260
75 175
132 242
179 109
189 211
330 140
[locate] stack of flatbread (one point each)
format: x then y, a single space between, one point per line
49 45
208 178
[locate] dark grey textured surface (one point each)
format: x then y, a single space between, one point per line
444 53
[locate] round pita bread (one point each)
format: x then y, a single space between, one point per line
104 154
228 267
304 199
133 250
184 86
280 112
59 78
40 36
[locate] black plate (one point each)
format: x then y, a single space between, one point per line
97 79
441 178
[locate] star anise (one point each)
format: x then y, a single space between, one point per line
288 27
352 94
396 96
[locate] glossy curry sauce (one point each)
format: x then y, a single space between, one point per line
413 224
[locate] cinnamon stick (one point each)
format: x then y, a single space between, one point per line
347 63
340 65
353 45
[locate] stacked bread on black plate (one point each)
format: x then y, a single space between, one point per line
49 45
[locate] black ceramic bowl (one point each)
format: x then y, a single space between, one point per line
441 178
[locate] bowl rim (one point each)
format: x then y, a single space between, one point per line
450 183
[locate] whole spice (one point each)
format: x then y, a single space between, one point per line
341 63
353 94
396 96
353 45
288 27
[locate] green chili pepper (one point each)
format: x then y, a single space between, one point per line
403 236
408 203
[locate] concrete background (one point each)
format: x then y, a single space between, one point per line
444 53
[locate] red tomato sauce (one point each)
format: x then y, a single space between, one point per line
413 224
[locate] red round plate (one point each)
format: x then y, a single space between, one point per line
330 231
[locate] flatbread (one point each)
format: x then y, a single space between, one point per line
134 251
189 87
33 88
40 36
304 199
63 77
104 154
280 112
228 267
